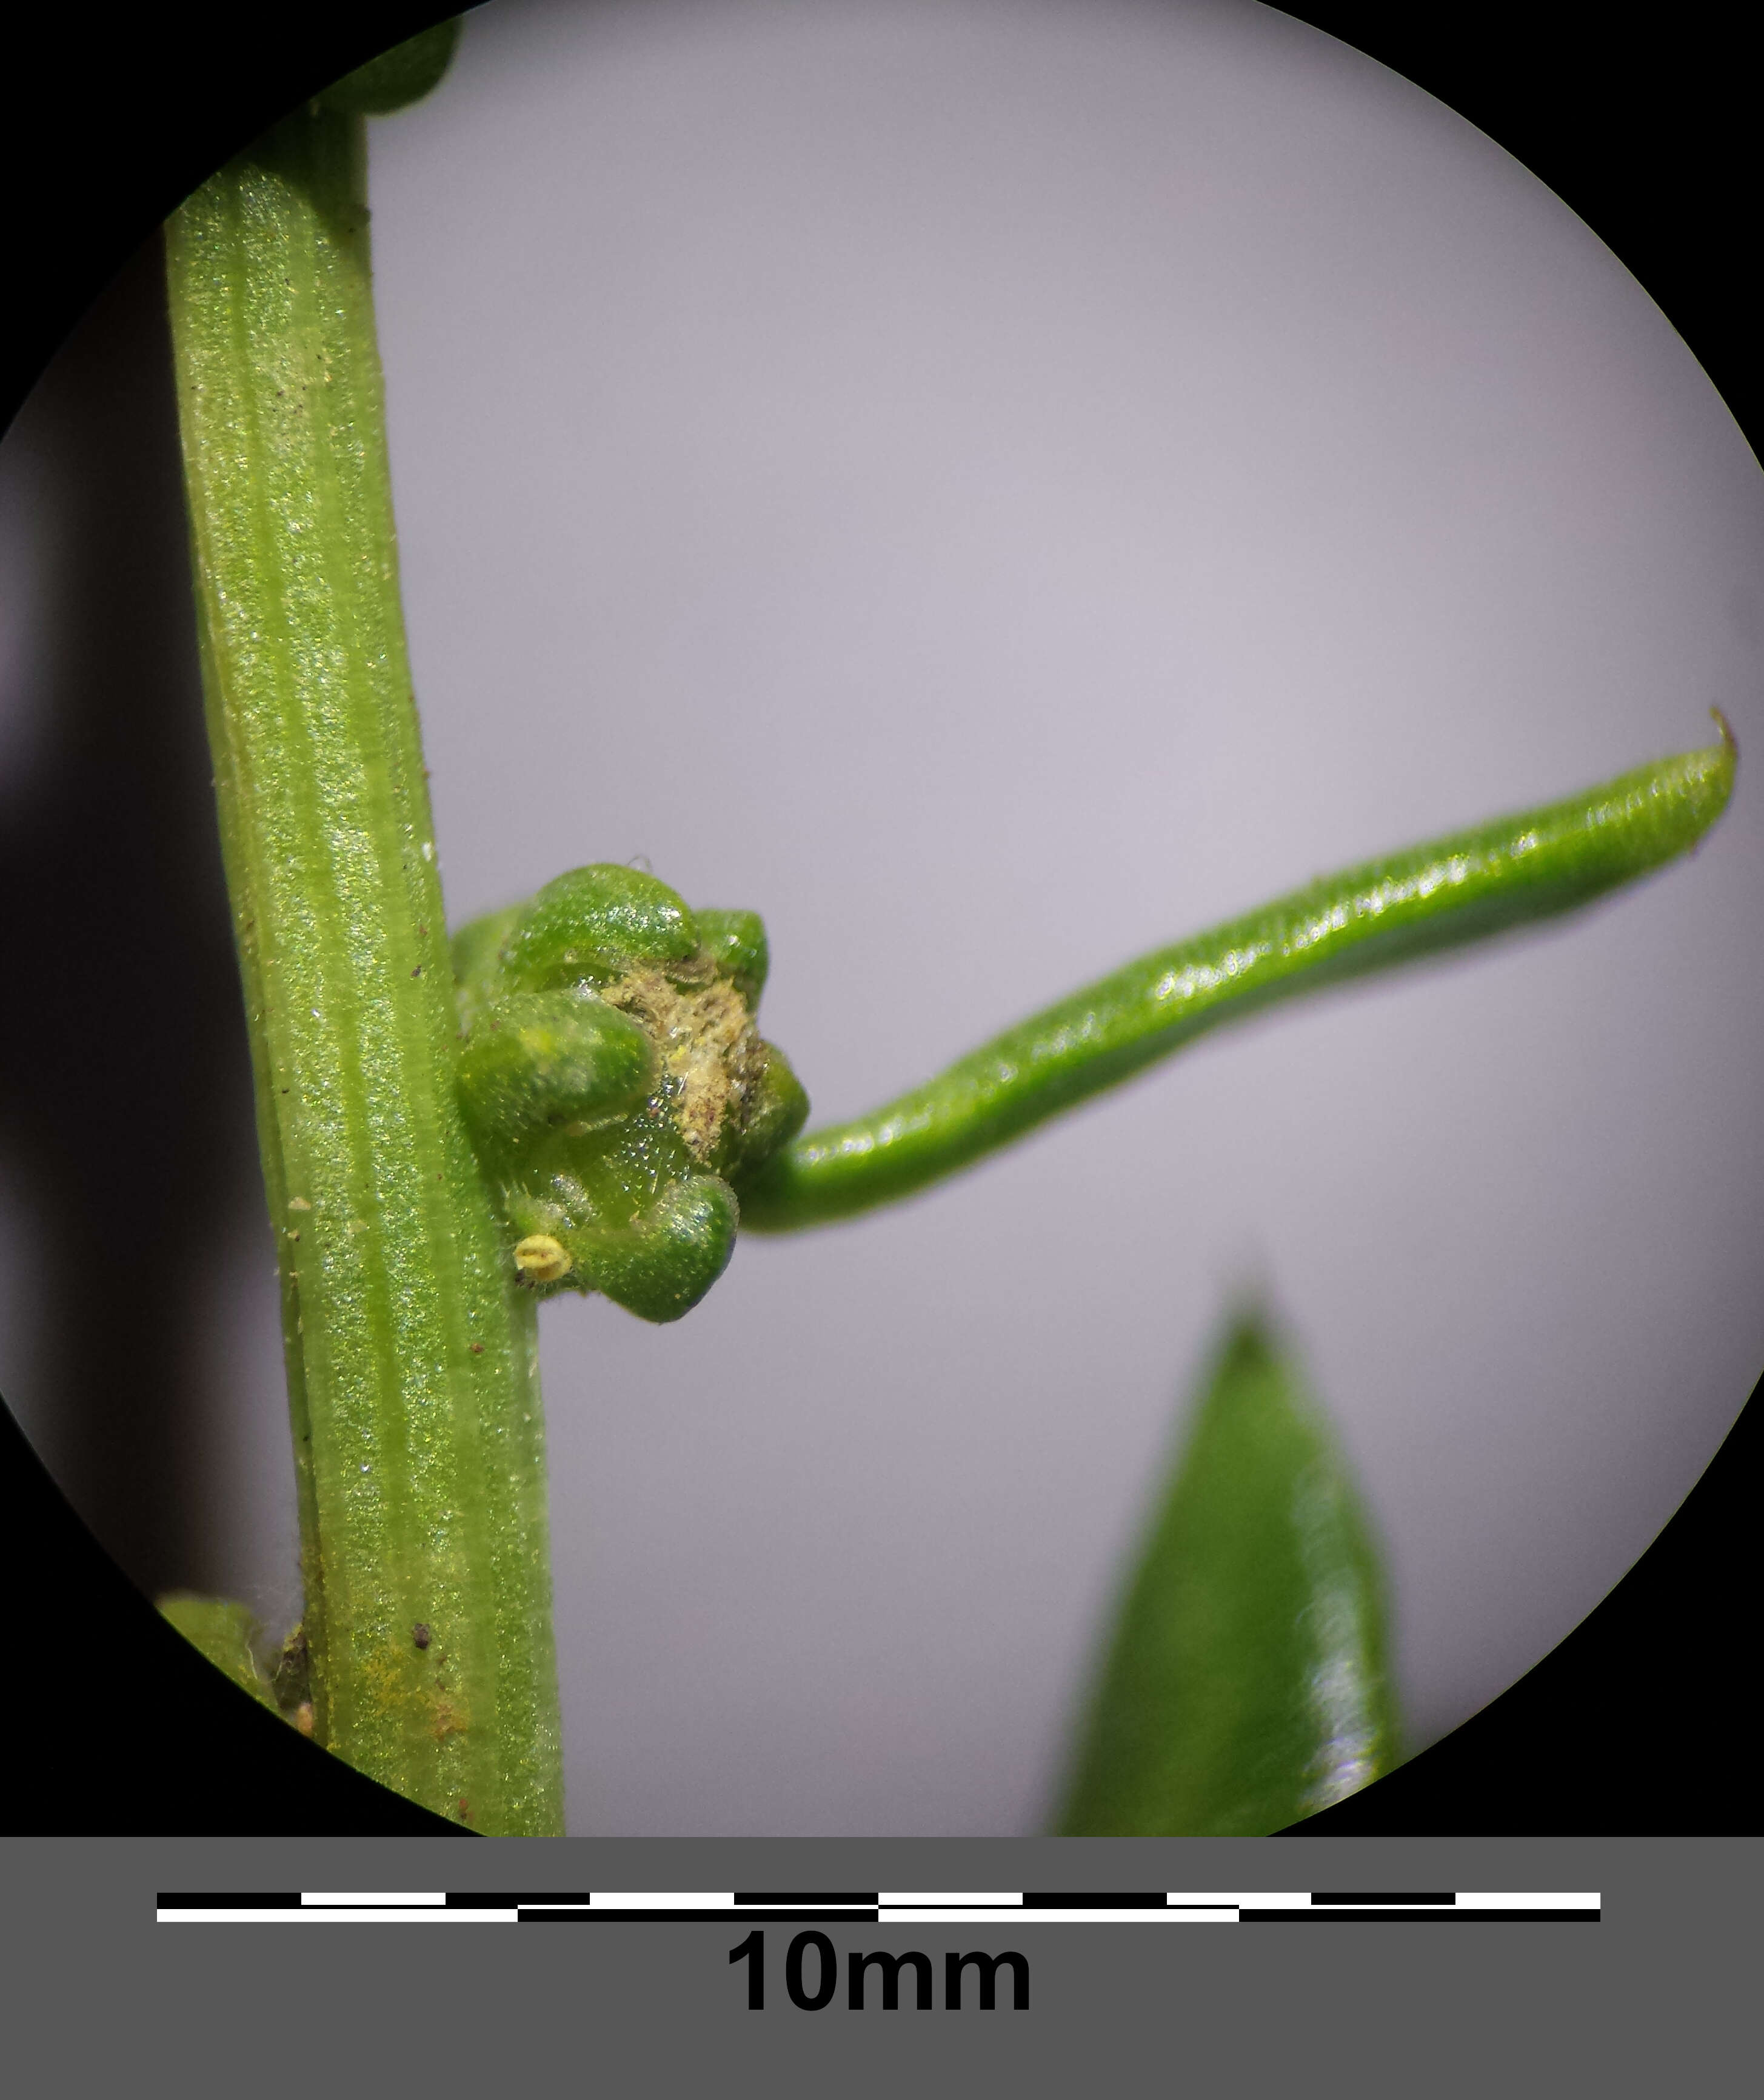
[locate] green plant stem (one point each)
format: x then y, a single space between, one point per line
411 1351
1502 875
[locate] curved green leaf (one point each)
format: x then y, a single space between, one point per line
1247 1685
1518 869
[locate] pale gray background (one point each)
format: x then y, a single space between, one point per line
994 485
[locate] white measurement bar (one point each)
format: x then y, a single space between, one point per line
351 1913
664 1899
1017 1914
890 1907
934 1898
1528 1899
376 1902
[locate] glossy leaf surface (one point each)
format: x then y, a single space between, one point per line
1247 1685
1509 873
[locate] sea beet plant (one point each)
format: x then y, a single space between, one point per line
573 1095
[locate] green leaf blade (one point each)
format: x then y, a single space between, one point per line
1518 870
1248 1684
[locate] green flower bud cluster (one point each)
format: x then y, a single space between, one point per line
616 1088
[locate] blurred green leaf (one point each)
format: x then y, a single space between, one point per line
397 77
1247 1685
226 1632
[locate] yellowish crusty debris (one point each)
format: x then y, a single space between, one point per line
709 1049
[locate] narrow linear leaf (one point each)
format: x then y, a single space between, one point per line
1518 869
1247 1685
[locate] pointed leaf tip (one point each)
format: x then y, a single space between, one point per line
1246 1684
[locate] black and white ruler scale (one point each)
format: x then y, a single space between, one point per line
1020 1906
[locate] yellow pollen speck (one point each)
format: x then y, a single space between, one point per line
299 1203
541 1260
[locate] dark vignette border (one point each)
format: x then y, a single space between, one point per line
1633 1725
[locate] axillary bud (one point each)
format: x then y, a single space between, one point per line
616 1088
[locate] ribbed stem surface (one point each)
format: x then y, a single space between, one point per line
419 1436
